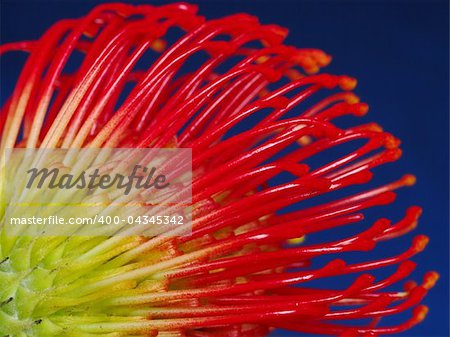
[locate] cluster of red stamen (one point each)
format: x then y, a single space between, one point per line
246 267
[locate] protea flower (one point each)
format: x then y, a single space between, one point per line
260 122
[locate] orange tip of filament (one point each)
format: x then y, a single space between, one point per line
420 312
159 45
312 69
262 59
351 98
297 241
305 140
323 59
293 74
430 279
409 179
420 242
347 83
362 109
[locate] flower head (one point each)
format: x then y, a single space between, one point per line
267 173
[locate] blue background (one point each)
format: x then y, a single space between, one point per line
398 50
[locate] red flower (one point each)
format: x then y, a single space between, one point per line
259 119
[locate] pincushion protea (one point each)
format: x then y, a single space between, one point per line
142 76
